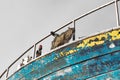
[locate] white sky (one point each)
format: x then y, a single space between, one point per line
24 22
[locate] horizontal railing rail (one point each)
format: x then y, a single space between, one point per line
54 31
3 73
82 16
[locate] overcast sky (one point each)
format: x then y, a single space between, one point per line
24 22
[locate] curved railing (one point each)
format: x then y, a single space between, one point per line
71 22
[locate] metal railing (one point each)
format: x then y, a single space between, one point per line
71 22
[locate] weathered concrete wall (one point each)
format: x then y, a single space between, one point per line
84 59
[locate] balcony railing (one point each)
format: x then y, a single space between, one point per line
71 22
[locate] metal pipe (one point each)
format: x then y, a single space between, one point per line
54 31
21 56
64 26
34 51
7 73
74 29
117 13
94 10
3 73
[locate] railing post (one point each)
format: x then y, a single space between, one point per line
7 73
34 51
75 30
117 12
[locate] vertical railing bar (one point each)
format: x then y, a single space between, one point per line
117 13
74 29
7 73
17 60
64 26
34 51
21 56
54 31
94 10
